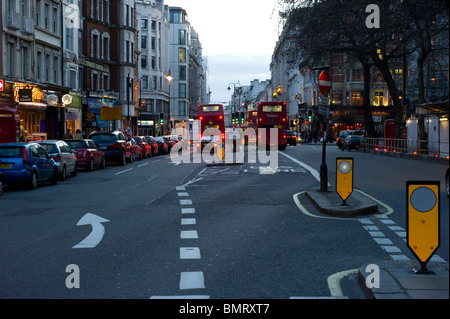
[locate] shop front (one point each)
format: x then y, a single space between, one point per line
32 111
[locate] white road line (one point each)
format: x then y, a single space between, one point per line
188 221
188 210
185 202
313 172
183 194
188 234
190 253
192 280
143 165
121 172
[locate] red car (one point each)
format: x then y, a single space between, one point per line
145 146
88 154
137 151
153 144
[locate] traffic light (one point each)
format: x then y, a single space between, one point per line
161 118
310 114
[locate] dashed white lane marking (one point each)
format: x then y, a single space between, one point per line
190 253
192 280
185 202
183 194
188 210
121 172
188 221
188 234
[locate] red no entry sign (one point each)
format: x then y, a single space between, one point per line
325 82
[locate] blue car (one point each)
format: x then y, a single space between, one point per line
27 163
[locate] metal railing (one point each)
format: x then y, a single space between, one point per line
407 146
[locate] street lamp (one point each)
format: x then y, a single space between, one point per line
169 78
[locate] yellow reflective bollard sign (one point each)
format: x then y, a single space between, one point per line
344 177
423 224
220 150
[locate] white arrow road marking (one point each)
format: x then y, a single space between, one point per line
94 238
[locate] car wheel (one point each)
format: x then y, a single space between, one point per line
103 164
90 166
54 180
63 176
123 160
33 181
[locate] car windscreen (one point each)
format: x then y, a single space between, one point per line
104 138
76 145
50 148
11 151
137 139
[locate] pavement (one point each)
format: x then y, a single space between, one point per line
398 278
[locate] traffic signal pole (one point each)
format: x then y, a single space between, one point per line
323 167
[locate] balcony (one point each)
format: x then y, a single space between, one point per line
27 25
13 20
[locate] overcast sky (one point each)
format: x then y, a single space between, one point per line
237 36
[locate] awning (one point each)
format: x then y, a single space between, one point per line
33 106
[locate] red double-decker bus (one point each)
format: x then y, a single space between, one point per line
211 116
272 115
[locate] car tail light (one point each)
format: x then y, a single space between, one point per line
25 154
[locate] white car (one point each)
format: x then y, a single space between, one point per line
65 158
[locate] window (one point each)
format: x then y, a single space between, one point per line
94 84
145 82
47 67
155 83
94 52
153 63
397 74
106 46
25 63
182 90
46 15
143 61
144 23
153 25
153 43
55 20
38 65
106 11
182 55
379 98
55 69
182 37
69 39
357 98
182 108
38 11
182 73
144 42
357 75
11 59
73 79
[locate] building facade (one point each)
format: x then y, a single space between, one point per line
153 44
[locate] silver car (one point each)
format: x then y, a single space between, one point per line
65 158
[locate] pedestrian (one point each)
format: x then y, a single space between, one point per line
68 135
78 134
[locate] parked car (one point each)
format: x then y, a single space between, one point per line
27 163
169 142
352 142
291 137
343 134
163 148
88 154
145 146
114 145
65 158
1 184
153 144
137 150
